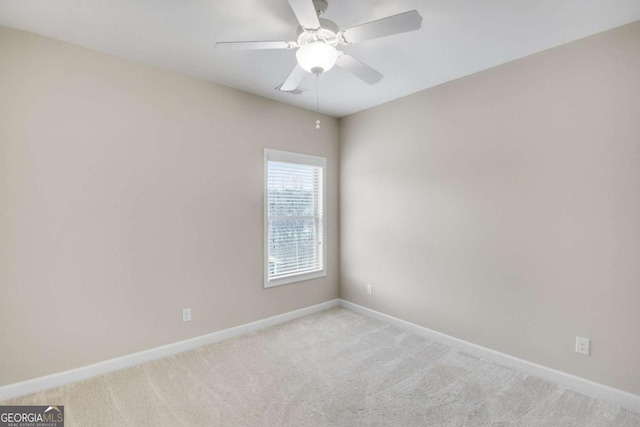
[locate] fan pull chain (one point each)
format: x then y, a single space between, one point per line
318 99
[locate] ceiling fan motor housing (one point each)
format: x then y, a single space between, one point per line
327 33
317 51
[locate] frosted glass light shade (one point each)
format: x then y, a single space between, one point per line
317 57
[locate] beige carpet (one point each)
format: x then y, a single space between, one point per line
334 368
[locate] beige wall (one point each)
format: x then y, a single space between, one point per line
504 208
128 193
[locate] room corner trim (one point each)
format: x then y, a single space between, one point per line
591 388
11 391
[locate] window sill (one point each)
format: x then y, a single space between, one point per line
294 278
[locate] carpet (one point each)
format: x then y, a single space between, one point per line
335 368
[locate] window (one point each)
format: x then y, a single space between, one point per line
294 210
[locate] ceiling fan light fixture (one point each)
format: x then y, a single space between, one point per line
317 57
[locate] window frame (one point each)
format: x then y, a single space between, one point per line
303 159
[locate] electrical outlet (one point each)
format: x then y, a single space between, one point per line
186 315
369 289
583 346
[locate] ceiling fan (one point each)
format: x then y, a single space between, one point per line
318 41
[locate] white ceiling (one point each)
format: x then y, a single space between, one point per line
458 37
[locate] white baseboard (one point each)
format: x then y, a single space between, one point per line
590 388
42 383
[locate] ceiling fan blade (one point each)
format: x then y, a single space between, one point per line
401 23
305 11
293 80
359 69
255 45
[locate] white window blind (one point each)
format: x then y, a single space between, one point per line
294 214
